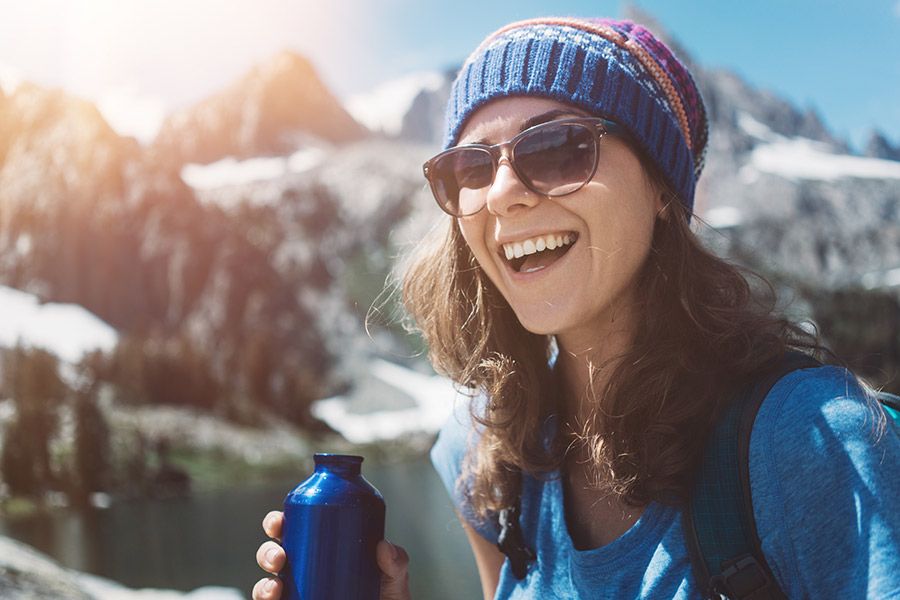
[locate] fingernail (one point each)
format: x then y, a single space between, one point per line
394 552
269 585
270 556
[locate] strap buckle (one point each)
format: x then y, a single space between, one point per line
742 578
512 544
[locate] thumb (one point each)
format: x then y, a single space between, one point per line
394 564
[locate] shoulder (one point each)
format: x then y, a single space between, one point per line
459 431
823 406
821 417
456 436
821 470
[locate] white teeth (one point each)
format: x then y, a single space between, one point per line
537 244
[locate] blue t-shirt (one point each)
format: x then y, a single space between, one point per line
826 497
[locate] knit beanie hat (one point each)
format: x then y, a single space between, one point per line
613 69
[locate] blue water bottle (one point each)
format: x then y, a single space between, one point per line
332 523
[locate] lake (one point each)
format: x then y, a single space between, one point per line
211 538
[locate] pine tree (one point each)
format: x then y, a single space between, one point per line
91 443
37 392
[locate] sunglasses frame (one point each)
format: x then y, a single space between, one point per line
598 126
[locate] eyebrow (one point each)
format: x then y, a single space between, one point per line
541 118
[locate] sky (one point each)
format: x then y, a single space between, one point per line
140 59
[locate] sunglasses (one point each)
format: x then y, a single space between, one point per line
551 159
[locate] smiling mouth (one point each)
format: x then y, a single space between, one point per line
538 253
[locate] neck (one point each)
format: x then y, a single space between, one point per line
586 359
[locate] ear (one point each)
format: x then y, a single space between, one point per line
663 200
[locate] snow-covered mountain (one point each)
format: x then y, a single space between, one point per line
92 218
787 195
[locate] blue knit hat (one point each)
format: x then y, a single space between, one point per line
614 69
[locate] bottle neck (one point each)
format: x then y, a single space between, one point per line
344 465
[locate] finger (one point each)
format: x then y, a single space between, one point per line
270 557
272 524
268 588
394 564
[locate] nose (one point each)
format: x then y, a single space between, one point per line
507 193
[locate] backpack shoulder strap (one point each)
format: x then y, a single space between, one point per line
718 523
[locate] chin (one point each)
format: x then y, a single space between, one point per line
541 324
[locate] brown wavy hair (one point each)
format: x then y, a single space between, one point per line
703 329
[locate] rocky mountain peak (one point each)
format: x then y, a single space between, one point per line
56 146
274 109
878 146
286 64
53 117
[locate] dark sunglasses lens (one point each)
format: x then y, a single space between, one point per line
557 159
459 176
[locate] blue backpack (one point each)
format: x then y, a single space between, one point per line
719 527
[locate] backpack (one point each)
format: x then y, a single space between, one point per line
718 522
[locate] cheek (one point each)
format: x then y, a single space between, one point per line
472 232
620 240
469 232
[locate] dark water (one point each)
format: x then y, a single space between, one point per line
211 539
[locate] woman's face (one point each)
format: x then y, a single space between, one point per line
610 221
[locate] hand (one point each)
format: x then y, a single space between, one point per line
270 557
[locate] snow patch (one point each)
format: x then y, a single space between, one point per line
230 172
754 128
383 108
66 330
803 158
434 396
723 217
881 279
131 113
23 244
10 78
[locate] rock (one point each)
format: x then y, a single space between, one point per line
26 574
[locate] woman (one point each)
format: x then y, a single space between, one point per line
601 340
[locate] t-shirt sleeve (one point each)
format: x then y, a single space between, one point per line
826 491
447 457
